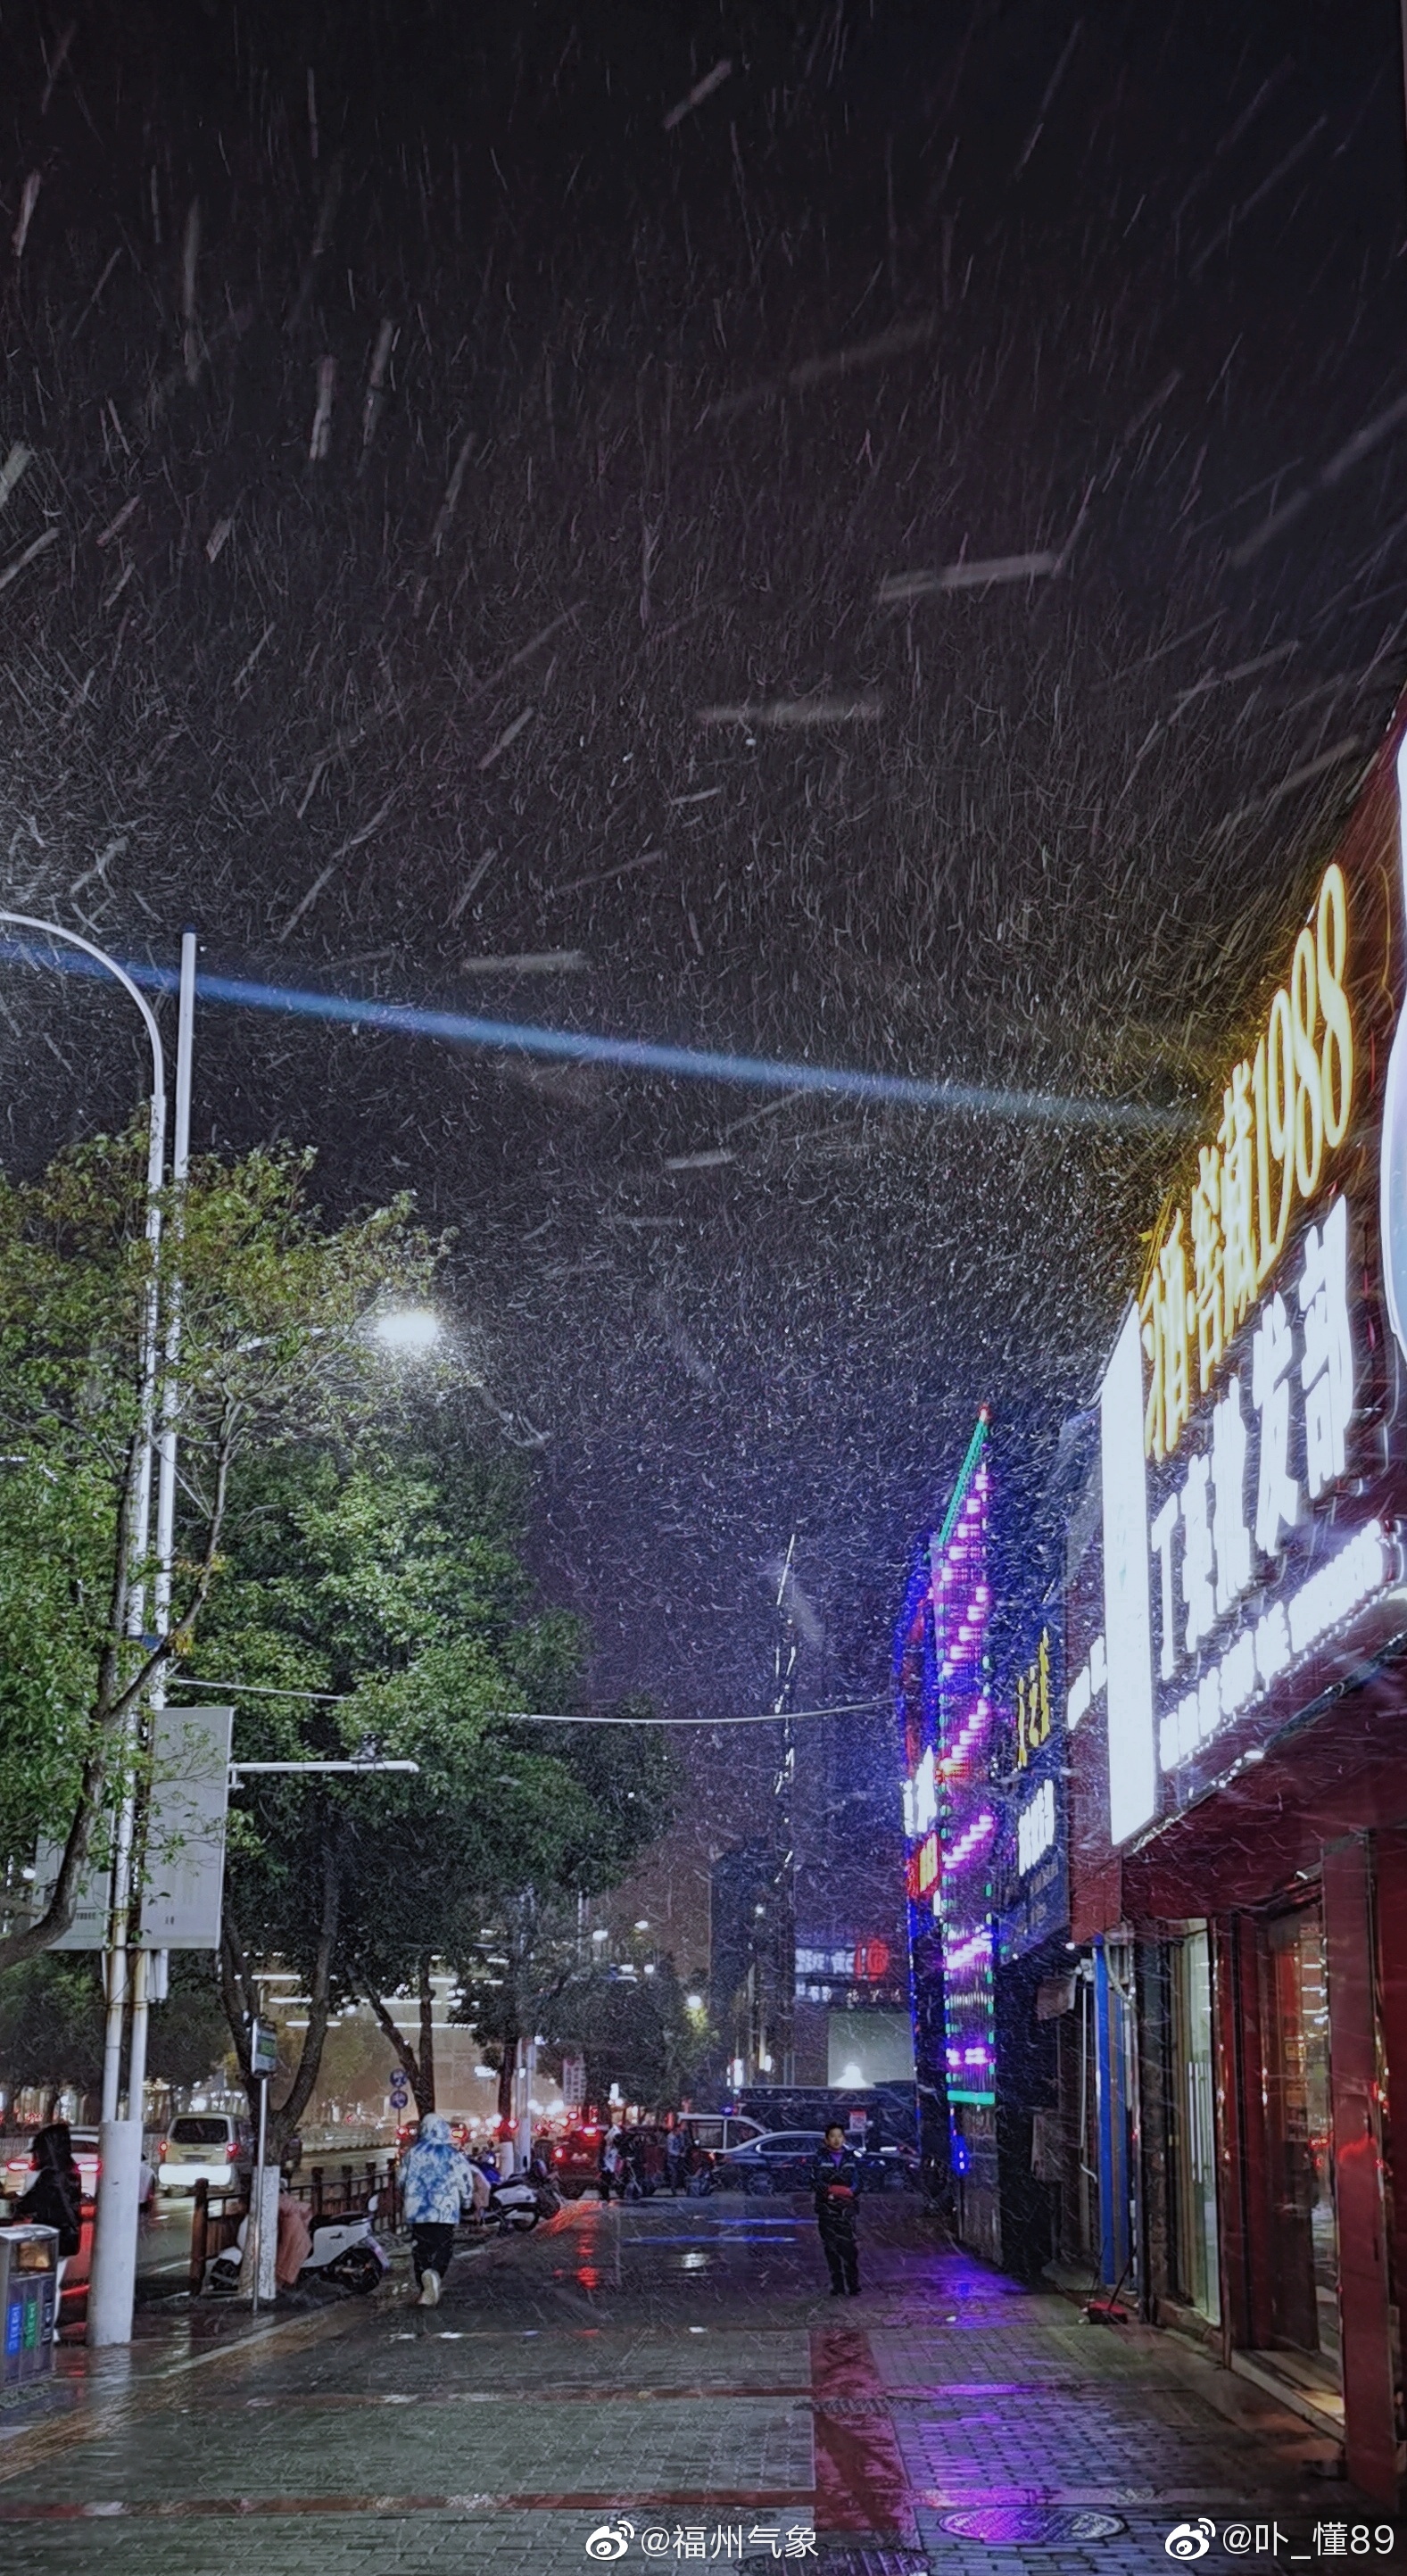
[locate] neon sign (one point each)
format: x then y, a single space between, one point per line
951 1824
1286 1107
1251 1450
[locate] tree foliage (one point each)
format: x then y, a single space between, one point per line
634 2032
51 2024
274 1348
390 1579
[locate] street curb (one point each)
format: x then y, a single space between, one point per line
25 2450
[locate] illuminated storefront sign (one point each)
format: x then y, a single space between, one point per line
951 1814
1285 1113
1033 1870
1249 1471
851 1972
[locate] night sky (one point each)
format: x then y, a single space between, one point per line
470 552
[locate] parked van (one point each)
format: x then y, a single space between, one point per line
213 2147
714 2131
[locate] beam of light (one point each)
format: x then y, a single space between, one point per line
634 1055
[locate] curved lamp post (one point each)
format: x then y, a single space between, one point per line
113 2273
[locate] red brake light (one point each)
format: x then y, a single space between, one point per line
161 2153
232 2152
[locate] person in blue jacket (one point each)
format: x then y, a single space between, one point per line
835 2181
435 2182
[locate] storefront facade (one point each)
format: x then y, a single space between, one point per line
978 1671
947 1723
1236 1634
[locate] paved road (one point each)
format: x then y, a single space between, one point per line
673 2367
163 2262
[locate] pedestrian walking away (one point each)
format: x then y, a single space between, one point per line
612 2169
435 2183
835 2180
55 2199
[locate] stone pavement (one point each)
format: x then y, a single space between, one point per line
665 2385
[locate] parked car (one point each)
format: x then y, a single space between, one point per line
891 2168
20 2170
213 2147
715 2131
576 2160
774 2160
780 2160
409 2130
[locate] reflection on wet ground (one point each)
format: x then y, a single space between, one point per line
683 2377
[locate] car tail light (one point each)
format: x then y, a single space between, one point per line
232 2152
161 2153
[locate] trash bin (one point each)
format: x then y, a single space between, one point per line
29 2261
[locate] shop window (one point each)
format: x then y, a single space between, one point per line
1303 2271
1194 2128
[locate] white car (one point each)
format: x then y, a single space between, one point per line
205 2146
20 2169
715 2130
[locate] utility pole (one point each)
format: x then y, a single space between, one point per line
112 2287
1405 57
114 2260
783 2044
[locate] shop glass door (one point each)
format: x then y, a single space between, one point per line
1195 2130
1303 2273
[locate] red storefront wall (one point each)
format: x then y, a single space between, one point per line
1325 1814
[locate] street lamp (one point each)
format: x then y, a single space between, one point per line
114 2262
408 1330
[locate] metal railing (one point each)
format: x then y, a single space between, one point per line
336 2191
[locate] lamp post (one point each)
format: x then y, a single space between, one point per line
114 2262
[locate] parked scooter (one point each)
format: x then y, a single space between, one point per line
515 2205
345 2254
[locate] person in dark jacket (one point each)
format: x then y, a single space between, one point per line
835 2181
55 2198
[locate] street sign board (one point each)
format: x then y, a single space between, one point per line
184 1869
184 1846
88 1930
263 2048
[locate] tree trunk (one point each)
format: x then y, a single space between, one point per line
425 2087
506 2073
284 2119
241 2001
418 2064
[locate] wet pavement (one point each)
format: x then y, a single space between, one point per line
669 2384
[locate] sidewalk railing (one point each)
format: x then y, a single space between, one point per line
339 2191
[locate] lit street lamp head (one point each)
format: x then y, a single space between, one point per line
408 1329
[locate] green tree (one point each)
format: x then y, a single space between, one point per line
634 2031
591 1808
274 1349
188 2037
51 2026
387 1586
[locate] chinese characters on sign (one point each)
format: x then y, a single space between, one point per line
1241 1529
1034 1873
1284 1109
1221 1529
